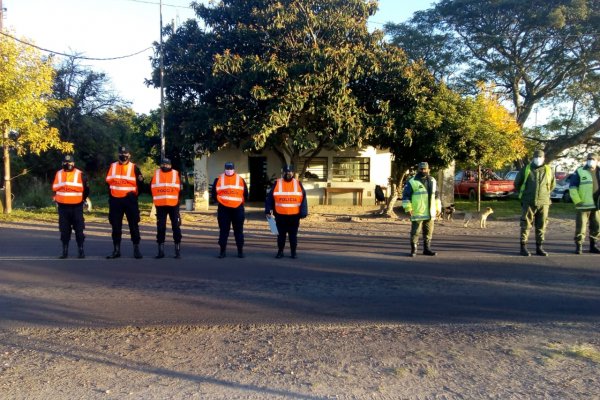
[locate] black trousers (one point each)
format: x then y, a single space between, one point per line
228 217
70 218
161 223
287 225
128 206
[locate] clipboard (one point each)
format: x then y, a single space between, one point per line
272 225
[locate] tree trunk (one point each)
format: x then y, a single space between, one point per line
7 187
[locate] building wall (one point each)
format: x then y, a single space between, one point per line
207 169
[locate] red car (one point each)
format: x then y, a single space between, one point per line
465 185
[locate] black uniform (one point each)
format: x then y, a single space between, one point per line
229 217
70 218
287 225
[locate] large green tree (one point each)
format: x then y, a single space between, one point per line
271 74
537 53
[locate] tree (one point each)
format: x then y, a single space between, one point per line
271 74
25 100
536 52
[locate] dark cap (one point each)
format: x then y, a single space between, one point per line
592 156
165 161
287 168
229 165
123 150
423 165
68 158
538 153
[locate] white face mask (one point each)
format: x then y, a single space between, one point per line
591 163
537 161
229 172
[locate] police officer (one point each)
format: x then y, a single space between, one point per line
123 179
534 183
585 193
420 199
287 202
166 187
231 192
71 190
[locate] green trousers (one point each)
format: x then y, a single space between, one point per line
581 222
415 230
536 216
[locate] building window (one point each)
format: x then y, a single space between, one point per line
316 169
351 169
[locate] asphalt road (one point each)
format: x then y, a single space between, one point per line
338 278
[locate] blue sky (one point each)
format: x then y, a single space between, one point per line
112 28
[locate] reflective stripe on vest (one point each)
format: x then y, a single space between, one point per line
165 187
526 175
230 190
288 197
68 186
121 179
422 208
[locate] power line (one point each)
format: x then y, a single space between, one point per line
156 3
76 56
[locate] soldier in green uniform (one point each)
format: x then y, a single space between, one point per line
420 199
584 191
534 182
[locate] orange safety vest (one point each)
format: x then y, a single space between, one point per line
230 190
68 186
121 179
165 188
288 197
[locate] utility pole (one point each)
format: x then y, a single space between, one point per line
6 154
162 92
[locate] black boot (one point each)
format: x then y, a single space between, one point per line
524 251
279 254
540 251
593 248
116 251
65 251
136 251
80 254
413 249
177 250
293 253
161 251
241 252
427 250
578 248
222 252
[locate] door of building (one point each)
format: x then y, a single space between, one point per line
258 178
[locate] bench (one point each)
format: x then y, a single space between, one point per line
331 190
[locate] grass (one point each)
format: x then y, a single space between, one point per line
509 208
587 352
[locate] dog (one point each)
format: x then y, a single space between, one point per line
482 216
447 213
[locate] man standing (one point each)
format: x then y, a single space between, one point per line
123 178
231 192
287 202
71 190
584 191
166 187
534 182
420 199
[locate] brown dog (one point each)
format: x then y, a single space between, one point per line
481 216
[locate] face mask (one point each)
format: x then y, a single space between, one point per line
288 176
123 157
229 172
165 169
591 163
537 161
68 167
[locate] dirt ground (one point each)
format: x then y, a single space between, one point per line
552 360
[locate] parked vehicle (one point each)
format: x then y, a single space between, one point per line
511 175
492 186
561 191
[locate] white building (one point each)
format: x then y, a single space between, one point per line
347 177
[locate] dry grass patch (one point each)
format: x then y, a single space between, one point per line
587 352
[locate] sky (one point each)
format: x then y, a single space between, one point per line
116 28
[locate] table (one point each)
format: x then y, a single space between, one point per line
330 190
